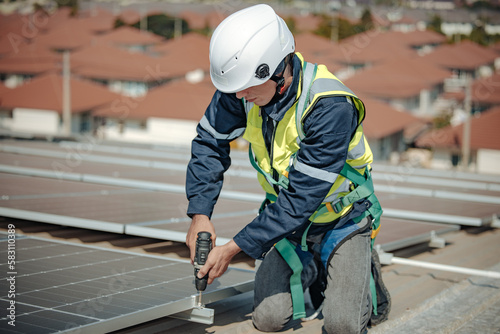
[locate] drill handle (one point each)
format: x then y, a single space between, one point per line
203 247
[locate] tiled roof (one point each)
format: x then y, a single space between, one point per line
106 62
3 90
185 54
195 20
28 68
373 47
383 120
129 16
198 20
10 43
45 93
399 78
30 59
314 46
465 55
69 35
483 91
484 133
306 23
177 100
33 50
129 36
417 37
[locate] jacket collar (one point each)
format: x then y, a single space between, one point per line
277 109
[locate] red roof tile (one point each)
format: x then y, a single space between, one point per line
312 45
383 120
465 55
214 18
195 20
484 91
33 50
484 133
3 90
399 78
10 43
30 59
45 93
306 23
129 36
129 16
185 54
374 47
106 62
177 100
69 35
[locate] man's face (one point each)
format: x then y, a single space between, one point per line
259 95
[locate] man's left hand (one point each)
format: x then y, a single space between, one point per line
218 260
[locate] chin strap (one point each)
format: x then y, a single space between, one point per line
280 78
280 84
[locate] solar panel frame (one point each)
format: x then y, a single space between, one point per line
122 288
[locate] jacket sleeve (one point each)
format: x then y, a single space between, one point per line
224 120
322 154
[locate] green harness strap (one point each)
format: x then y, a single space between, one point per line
363 189
283 180
287 251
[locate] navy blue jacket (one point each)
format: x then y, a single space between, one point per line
329 128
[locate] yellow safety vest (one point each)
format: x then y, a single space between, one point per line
317 83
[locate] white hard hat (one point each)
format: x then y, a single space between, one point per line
247 47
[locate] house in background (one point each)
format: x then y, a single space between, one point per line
446 143
407 84
385 128
37 106
485 93
28 61
167 114
122 71
376 47
129 38
184 56
466 60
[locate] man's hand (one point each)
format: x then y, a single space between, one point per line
218 261
200 223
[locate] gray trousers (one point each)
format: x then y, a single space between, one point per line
347 306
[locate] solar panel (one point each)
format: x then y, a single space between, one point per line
135 192
76 288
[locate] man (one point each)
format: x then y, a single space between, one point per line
304 126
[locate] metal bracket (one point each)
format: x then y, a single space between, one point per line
385 258
495 221
436 242
201 315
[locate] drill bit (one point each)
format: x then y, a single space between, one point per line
200 305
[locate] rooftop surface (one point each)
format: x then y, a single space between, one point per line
130 198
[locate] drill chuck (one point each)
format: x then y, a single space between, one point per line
203 247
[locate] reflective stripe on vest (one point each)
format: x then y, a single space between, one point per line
205 124
314 81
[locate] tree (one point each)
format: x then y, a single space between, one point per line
73 4
366 20
435 24
164 25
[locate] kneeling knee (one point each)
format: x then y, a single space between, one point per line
271 315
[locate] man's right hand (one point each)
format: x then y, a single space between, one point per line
199 223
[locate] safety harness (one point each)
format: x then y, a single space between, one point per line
361 189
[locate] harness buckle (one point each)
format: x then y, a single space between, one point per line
338 206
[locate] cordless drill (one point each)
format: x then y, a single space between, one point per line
203 247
